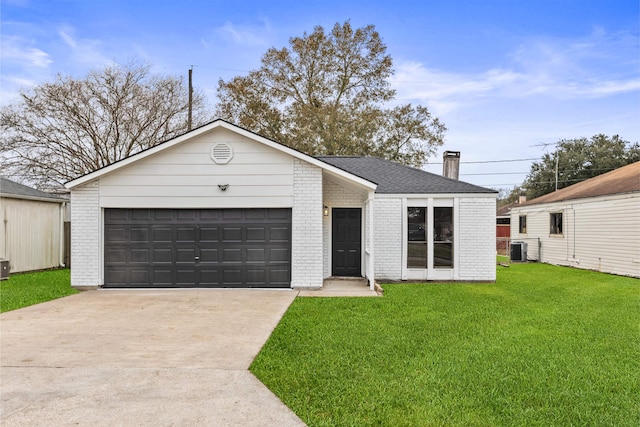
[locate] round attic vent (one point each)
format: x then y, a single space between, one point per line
221 153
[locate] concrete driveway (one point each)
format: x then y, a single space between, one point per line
141 357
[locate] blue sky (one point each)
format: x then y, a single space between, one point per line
504 76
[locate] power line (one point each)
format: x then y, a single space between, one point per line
492 161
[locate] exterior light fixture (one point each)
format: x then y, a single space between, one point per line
325 210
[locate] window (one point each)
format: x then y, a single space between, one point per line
522 225
417 238
442 237
555 223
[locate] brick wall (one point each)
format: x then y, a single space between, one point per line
477 238
306 238
85 235
387 221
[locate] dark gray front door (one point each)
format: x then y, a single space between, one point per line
197 248
346 242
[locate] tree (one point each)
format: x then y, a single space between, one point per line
577 160
325 96
69 127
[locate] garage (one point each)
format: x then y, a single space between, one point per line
208 248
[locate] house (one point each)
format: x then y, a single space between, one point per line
32 227
503 225
221 206
594 224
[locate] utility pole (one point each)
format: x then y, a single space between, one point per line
190 98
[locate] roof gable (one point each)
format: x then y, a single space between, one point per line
15 190
219 123
395 178
619 181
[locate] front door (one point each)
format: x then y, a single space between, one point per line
346 237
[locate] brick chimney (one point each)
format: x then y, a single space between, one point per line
451 164
522 198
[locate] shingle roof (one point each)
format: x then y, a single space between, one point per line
619 181
394 178
10 188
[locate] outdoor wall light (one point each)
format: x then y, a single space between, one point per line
325 210
223 187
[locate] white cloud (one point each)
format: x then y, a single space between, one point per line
244 35
84 51
595 66
18 51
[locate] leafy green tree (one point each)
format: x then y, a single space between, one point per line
69 127
325 95
577 160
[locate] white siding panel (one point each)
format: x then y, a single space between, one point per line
186 176
601 233
30 234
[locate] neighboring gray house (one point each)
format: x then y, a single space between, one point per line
224 207
31 227
594 224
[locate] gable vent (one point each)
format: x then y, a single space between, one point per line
221 153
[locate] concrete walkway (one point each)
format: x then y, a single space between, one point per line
141 357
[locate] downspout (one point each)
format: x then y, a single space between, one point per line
371 266
61 254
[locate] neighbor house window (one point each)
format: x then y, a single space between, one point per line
522 226
417 237
555 222
442 237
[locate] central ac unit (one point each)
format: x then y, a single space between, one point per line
519 251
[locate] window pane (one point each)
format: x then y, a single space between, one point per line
442 224
443 254
523 224
417 255
417 237
416 219
555 220
442 237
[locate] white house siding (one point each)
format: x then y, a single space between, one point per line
477 238
336 195
599 233
306 217
30 234
388 238
185 176
86 236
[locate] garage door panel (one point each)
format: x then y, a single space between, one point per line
209 234
140 256
256 255
197 247
209 256
139 234
162 234
232 255
232 234
115 234
162 256
186 255
116 255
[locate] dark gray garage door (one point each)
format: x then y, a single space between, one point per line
197 248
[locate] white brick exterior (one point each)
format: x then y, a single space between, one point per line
477 238
388 240
306 217
85 236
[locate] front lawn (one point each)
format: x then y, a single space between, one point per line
24 289
545 345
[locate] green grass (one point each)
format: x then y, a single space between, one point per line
543 346
24 289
